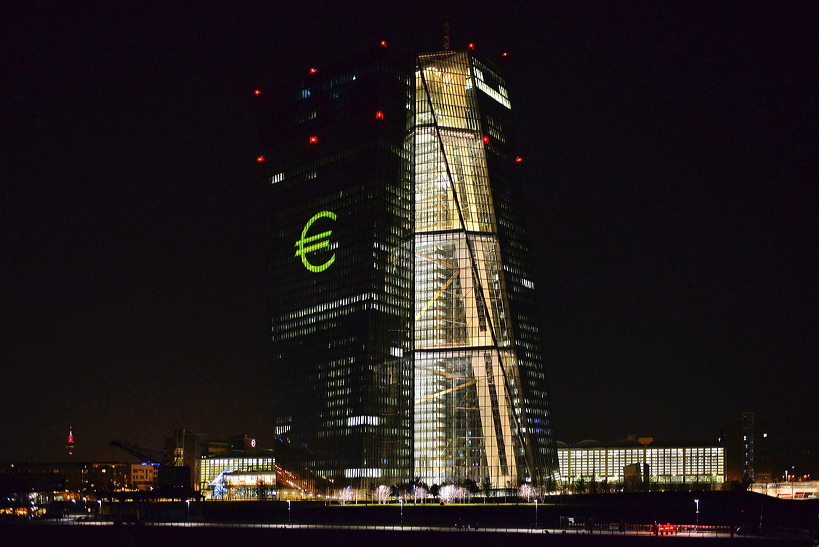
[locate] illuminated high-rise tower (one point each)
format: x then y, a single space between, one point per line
69 445
404 327
480 403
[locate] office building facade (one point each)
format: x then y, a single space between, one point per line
338 165
480 404
697 466
404 332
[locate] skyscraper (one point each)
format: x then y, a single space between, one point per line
69 445
403 319
480 402
339 174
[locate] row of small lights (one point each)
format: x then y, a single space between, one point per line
379 115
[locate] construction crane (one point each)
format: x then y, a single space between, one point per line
145 455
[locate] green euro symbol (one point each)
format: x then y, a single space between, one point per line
316 242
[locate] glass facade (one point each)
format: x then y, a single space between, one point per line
480 405
237 477
339 180
691 464
403 321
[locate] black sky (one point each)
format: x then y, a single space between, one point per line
671 159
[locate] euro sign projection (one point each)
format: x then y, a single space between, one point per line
313 243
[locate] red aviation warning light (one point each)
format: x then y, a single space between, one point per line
313 70
379 115
260 159
383 43
257 92
313 139
518 159
472 47
486 139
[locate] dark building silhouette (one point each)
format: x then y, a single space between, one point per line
747 443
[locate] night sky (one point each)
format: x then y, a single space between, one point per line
670 152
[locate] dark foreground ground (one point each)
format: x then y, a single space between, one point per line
161 536
612 519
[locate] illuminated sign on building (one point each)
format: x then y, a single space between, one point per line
322 240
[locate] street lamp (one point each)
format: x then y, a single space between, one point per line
698 515
535 512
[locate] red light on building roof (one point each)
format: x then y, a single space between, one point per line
518 159
504 54
257 92
313 139
486 139
379 115
260 159
472 46
383 43
313 70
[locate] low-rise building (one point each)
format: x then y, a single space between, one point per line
790 490
238 475
143 476
592 462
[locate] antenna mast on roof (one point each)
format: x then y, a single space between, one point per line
446 24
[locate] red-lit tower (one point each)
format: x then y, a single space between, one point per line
69 446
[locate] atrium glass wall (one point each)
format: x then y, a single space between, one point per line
480 405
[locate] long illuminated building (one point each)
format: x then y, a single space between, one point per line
404 330
667 465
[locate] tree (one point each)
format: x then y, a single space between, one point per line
528 492
551 484
381 493
486 487
470 486
452 492
261 489
593 485
420 489
580 485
